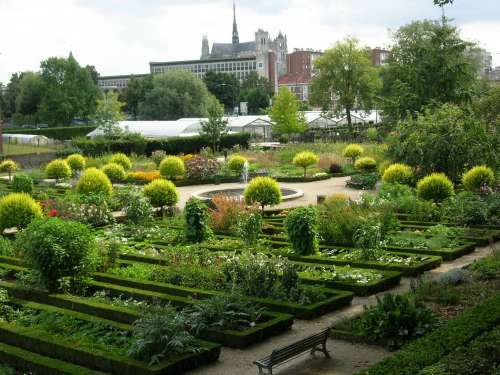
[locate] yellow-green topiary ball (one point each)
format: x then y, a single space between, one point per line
236 164
122 159
9 166
76 162
18 210
94 181
435 187
353 151
305 159
172 167
161 192
365 164
398 174
264 191
58 169
477 177
115 172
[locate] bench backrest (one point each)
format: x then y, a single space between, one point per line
298 347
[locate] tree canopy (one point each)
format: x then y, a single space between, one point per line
225 87
135 93
285 115
108 113
257 92
216 126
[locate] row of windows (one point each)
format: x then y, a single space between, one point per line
118 83
205 67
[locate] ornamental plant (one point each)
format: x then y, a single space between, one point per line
58 169
158 156
115 172
435 187
18 210
61 251
398 174
122 159
76 162
365 164
94 181
264 191
200 167
353 151
305 159
249 225
196 217
301 228
161 193
478 177
172 167
137 208
9 166
236 164
22 183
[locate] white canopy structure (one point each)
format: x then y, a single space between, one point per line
156 129
26 139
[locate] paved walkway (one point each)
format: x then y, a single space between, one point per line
347 358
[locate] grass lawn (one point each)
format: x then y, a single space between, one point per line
17 149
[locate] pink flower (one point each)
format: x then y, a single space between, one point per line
52 213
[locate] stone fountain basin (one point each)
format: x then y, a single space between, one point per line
237 192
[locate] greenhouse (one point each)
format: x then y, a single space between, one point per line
26 139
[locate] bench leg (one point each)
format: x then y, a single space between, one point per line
325 351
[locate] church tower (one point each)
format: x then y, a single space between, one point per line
236 38
205 49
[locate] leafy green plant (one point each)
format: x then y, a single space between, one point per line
305 159
172 167
22 183
18 210
76 162
9 166
197 227
364 181
94 181
353 151
249 226
122 159
58 169
478 177
435 187
161 193
6 247
236 164
115 172
466 208
398 174
301 228
263 190
365 164
137 208
158 156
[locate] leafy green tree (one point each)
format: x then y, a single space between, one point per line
487 106
346 72
175 94
225 87
216 126
93 73
12 91
429 63
285 115
257 92
108 113
69 91
135 93
31 92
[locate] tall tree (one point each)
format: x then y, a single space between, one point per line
216 126
175 94
31 92
257 91
93 73
225 87
135 93
429 63
108 113
285 115
12 91
346 72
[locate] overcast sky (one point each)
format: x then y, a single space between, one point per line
122 36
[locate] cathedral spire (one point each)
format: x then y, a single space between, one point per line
236 38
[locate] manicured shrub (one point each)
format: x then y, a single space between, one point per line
478 177
9 166
301 227
398 174
263 190
122 159
236 164
18 210
372 134
161 193
115 172
22 183
58 169
365 164
94 181
353 151
196 216
143 176
305 159
435 187
76 162
61 251
172 167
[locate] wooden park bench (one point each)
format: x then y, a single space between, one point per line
314 343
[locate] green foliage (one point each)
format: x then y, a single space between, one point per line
353 151
108 113
478 177
365 164
58 169
466 208
487 268
172 167
435 187
263 190
285 115
59 251
301 228
196 217
76 162
9 166
18 210
122 159
305 159
135 93
225 87
60 133
115 172
363 181
6 248
137 208
216 126
22 183
236 164
161 193
372 134
487 106
158 156
94 181
249 226
398 174
257 91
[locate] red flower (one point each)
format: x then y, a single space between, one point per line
52 212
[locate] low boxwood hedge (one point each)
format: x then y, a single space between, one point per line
445 253
61 133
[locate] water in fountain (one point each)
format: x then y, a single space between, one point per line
244 173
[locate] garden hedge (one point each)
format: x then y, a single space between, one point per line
445 253
61 133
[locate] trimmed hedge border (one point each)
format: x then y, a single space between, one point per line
480 240
61 133
446 254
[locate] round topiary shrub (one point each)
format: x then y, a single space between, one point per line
58 169
398 174
305 159
18 210
63 252
172 167
121 159
365 164
197 219
263 190
94 181
9 166
22 183
435 187
76 162
301 226
353 151
115 172
236 164
161 193
478 177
